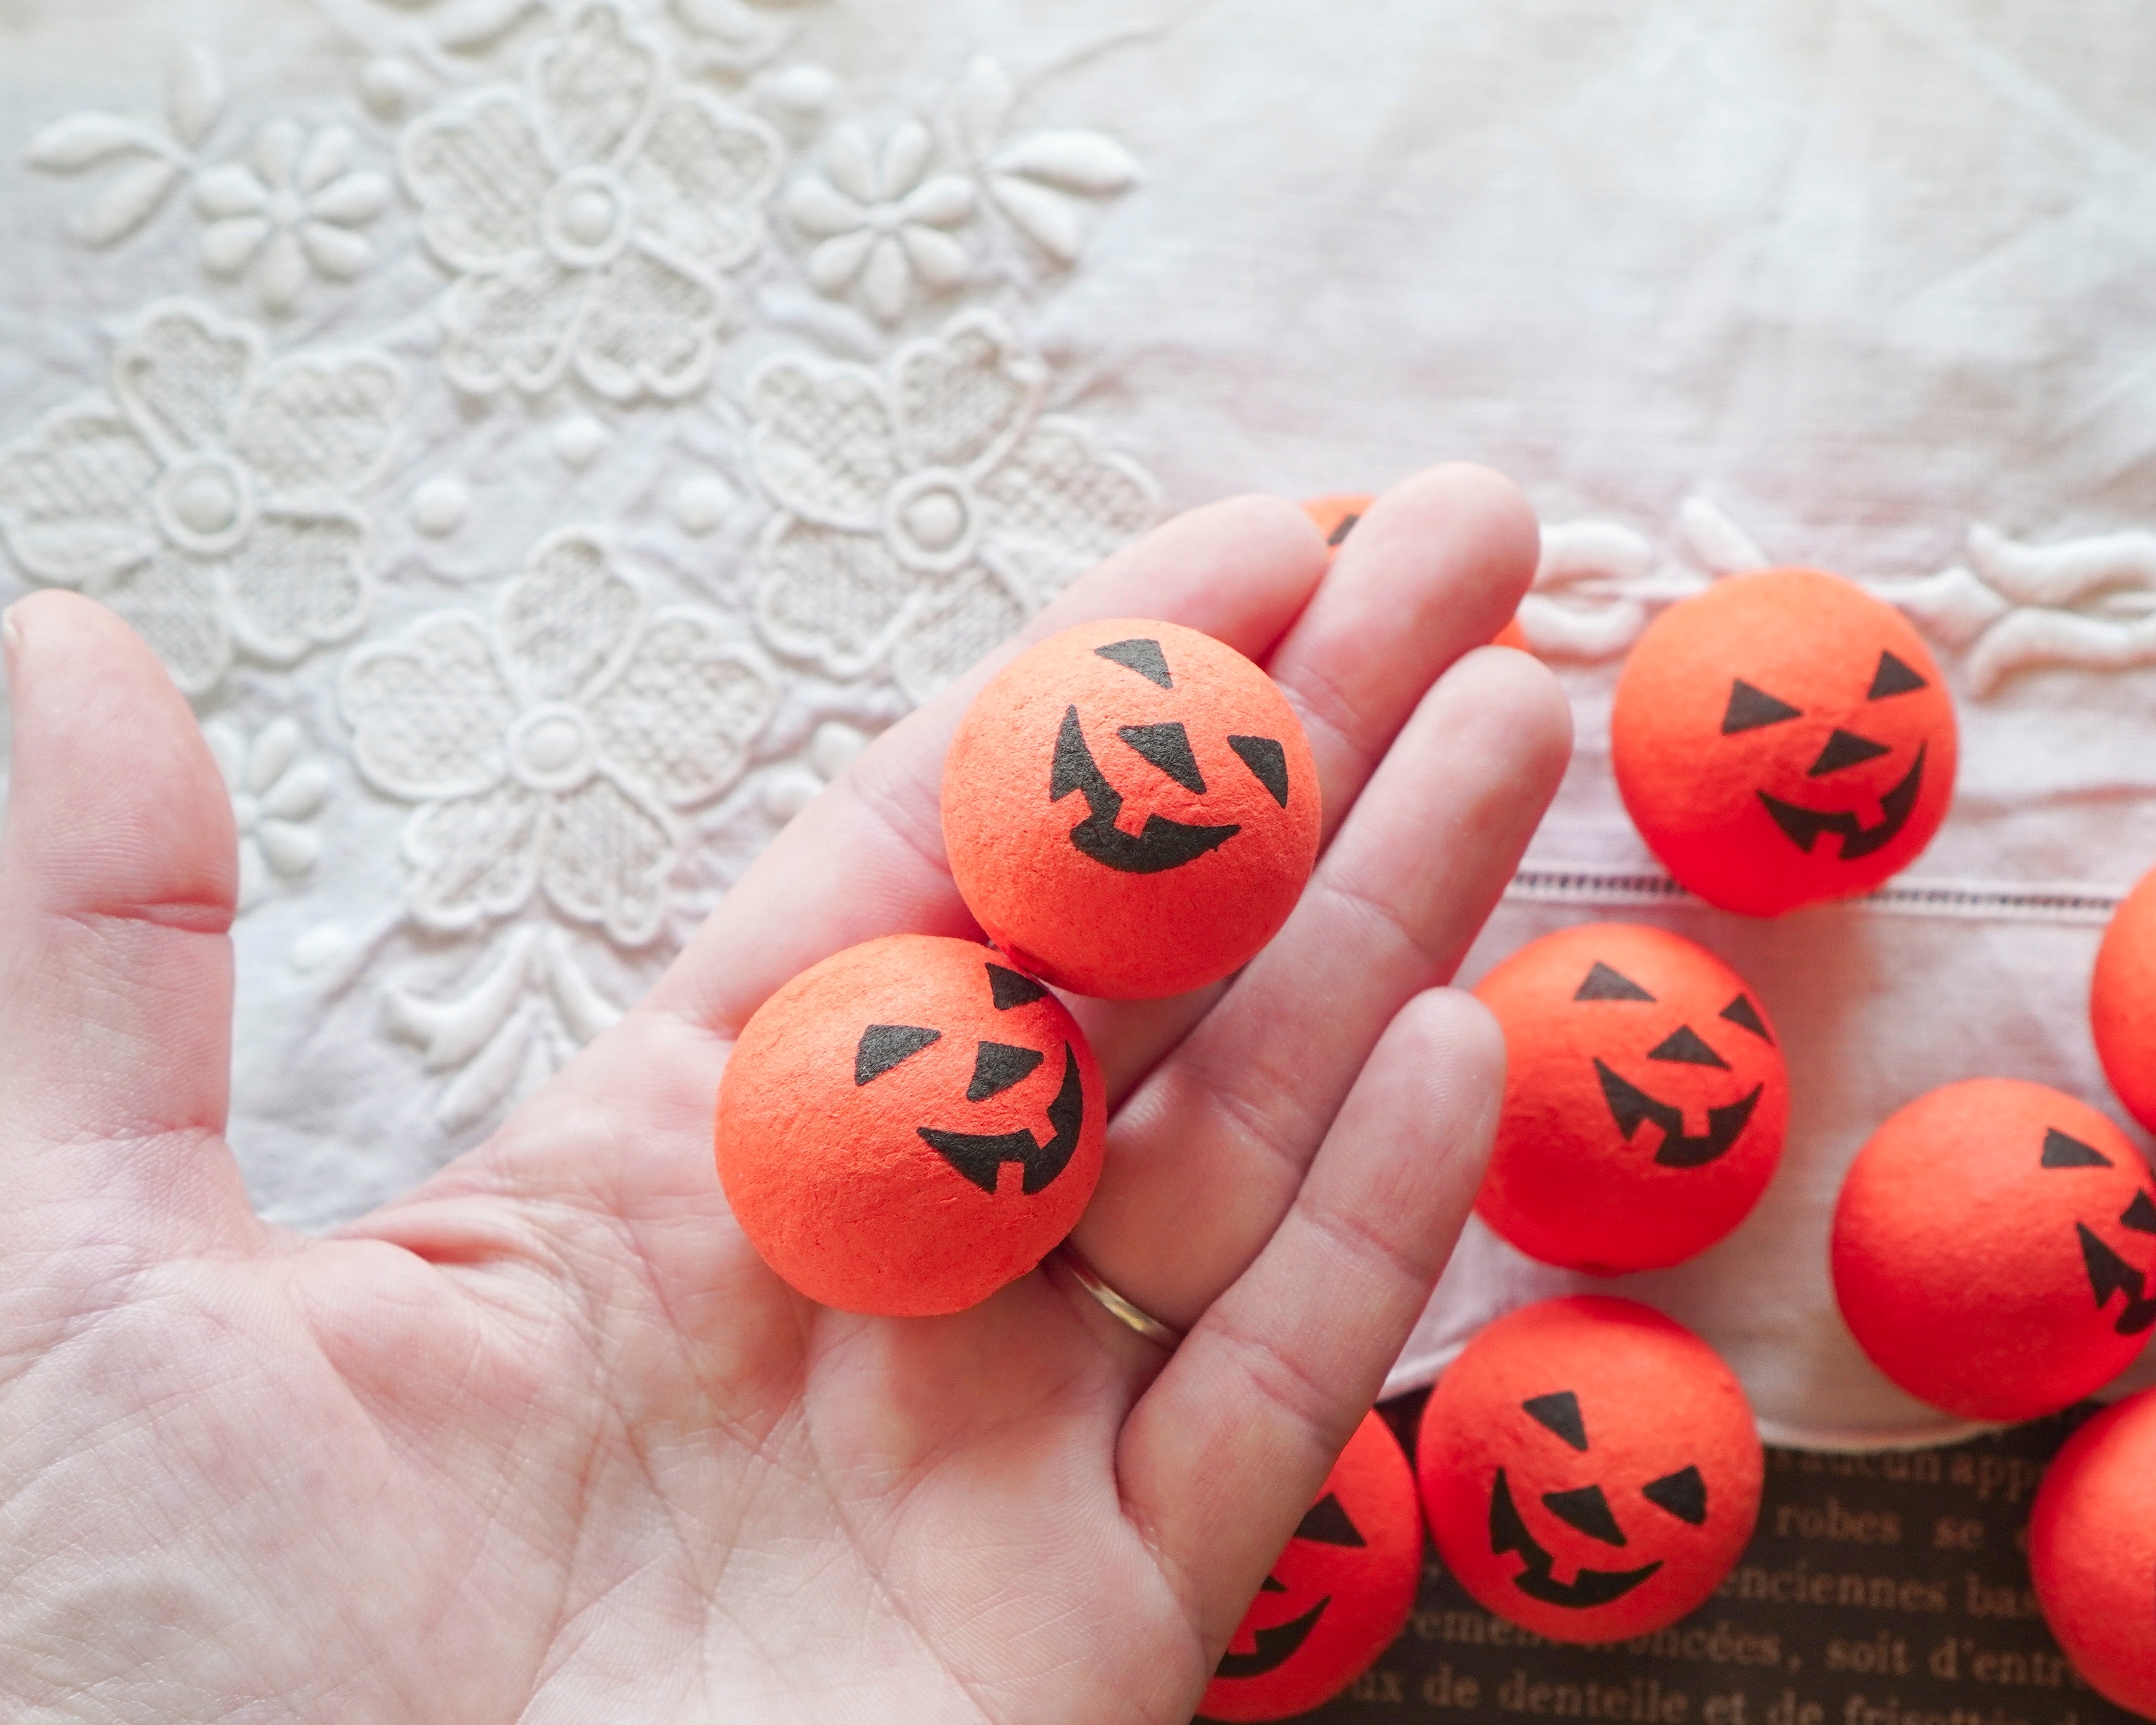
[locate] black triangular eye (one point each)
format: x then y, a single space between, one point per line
1271 1586
1684 1047
1168 747
1741 1011
883 1046
1008 988
1267 762
2061 1151
1588 1510
2140 1215
1893 678
1347 527
1143 656
1327 1522
1683 1494
1750 708
997 1067
1604 984
1558 1412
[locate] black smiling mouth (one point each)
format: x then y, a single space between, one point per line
1591 1588
977 1155
1629 1106
1163 845
1804 825
1275 1645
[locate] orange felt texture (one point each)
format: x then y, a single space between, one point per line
1078 832
1566 1183
1335 516
1331 1605
1624 1444
1960 1260
1759 694
2122 1001
832 1179
2093 1551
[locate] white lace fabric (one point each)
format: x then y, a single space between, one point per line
545 438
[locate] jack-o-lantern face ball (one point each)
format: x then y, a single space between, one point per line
1644 1099
909 1125
2122 1001
1130 809
1337 1594
1783 739
1337 516
2093 1551
1994 1248
1590 1470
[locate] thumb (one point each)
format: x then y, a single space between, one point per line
117 881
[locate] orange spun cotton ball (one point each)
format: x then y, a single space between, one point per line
1336 1596
1644 1099
1130 809
1335 516
1783 739
2093 1551
1991 1249
1590 1470
909 1125
2122 1001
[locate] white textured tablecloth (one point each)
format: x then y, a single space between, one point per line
546 439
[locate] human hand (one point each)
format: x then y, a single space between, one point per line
544 1439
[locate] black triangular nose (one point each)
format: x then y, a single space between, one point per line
1845 748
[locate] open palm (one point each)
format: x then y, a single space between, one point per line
544 1440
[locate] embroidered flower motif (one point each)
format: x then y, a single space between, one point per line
553 748
926 510
521 1012
2086 604
142 162
274 794
210 502
1035 180
729 36
589 217
880 219
292 207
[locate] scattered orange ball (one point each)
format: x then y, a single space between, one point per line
2122 1001
2093 1551
1130 808
1337 513
1644 1099
1590 1470
1783 739
1338 1594
1991 1249
1335 516
909 1125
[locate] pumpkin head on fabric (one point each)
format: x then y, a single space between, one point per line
1783 739
1644 1100
1130 809
1338 1594
1994 1249
1590 1470
909 1125
2093 1551
2122 1001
